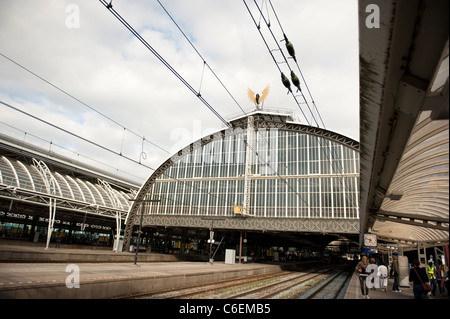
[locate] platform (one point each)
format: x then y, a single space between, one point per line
114 280
101 276
24 253
354 292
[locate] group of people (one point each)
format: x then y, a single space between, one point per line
435 277
373 276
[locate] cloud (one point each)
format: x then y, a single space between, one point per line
103 65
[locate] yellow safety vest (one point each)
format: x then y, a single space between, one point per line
431 272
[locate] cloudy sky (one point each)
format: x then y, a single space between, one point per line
121 93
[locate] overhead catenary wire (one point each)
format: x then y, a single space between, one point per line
273 57
205 63
152 50
298 67
162 60
203 59
51 143
73 134
81 102
285 60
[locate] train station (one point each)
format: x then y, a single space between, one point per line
267 197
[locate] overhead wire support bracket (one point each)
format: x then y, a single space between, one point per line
268 48
276 41
298 67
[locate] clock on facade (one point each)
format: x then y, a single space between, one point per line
370 240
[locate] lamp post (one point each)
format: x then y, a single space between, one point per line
211 233
141 202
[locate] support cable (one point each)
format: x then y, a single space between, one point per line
78 100
162 60
273 57
285 59
51 143
73 134
204 61
301 73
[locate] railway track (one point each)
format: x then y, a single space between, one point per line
332 286
282 287
279 285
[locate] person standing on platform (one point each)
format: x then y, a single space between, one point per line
395 270
372 281
446 281
383 275
418 276
431 271
361 271
440 277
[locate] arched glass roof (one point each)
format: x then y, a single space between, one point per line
294 174
18 175
285 170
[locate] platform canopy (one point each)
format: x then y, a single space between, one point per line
32 179
404 127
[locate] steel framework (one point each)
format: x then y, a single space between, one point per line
257 120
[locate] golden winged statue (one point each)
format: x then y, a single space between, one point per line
256 98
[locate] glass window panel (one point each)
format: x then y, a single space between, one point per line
285 151
314 199
270 198
327 208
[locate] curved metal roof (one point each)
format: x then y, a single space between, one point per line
421 180
26 181
404 128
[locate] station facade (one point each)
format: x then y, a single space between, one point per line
265 173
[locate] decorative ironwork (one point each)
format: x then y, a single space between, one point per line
307 225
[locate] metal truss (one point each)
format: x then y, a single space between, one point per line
413 219
36 198
118 214
50 185
307 225
404 244
248 166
